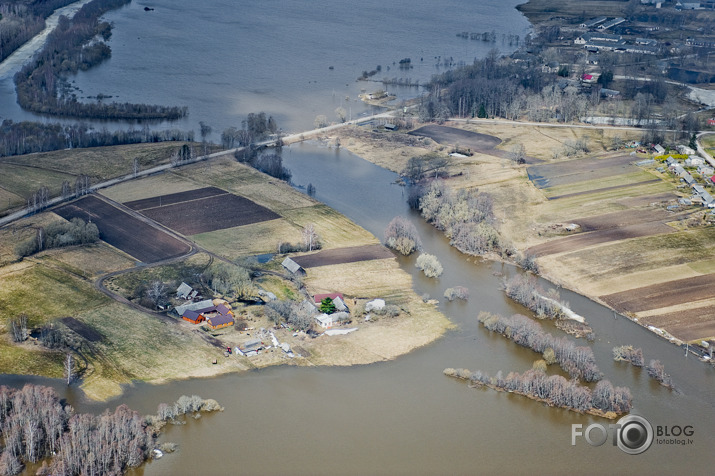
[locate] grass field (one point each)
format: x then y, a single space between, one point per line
335 230
168 351
248 240
24 181
22 175
44 293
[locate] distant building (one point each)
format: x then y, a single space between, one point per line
587 78
593 22
611 23
318 298
711 122
660 150
219 321
609 93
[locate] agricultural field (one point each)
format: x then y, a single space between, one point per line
121 230
22 175
190 215
343 255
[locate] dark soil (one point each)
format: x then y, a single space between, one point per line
123 231
217 212
82 329
173 198
343 255
662 295
584 240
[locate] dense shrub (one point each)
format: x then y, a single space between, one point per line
457 292
628 354
429 264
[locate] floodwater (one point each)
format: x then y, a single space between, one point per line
401 416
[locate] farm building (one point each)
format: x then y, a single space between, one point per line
659 149
705 170
183 291
325 321
592 22
193 317
688 179
219 321
694 161
587 78
711 122
611 23
251 347
293 267
194 306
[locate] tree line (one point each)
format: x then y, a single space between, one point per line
525 290
78 44
554 390
59 234
578 361
17 138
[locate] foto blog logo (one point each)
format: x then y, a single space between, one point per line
633 434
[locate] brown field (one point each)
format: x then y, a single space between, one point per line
343 255
662 295
123 231
212 213
622 219
604 189
475 141
584 240
579 170
688 325
173 198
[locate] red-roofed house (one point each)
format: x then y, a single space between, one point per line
318 298
711 122
712 179
587 78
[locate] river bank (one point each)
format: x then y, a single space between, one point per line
572 225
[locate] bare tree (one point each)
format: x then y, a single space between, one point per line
19 328
135 167
157 293
69 367
205 131
66 190
401 235
341 113
517 154
310 237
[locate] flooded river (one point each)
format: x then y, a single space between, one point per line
402 416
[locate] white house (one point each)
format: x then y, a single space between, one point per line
324 320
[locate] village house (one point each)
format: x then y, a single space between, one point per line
705 170
193 317
659 149
183 291
694 161
711 122
219 321
324 320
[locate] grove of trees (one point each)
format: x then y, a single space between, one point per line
401 235
578 361
554 389
17 138
59 234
